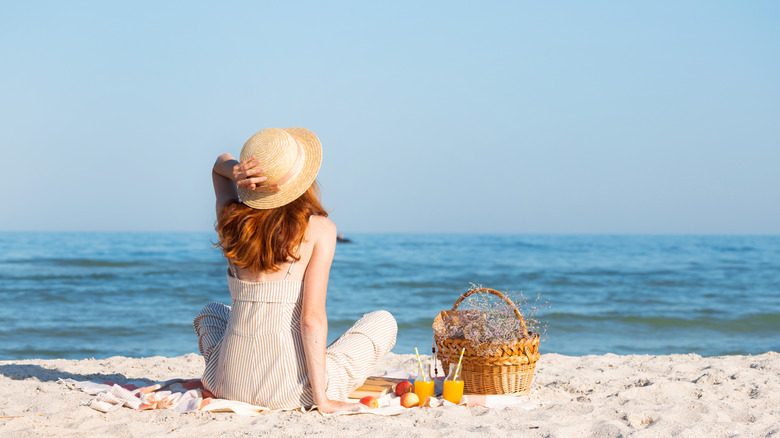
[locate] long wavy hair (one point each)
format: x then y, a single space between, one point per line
261 240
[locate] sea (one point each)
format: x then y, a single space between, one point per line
95 295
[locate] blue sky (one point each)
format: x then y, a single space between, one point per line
510 117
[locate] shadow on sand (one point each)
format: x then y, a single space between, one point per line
24 371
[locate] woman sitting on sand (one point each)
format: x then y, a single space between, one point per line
268 347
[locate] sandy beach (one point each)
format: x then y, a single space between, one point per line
610 395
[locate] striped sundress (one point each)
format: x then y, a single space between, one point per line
254 351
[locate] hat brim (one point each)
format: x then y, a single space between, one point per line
298 184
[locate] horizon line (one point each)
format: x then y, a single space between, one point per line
527 233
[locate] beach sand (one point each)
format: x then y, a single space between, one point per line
610 395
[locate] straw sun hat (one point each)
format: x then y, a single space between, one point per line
289 157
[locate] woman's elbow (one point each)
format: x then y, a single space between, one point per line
222 158
312 323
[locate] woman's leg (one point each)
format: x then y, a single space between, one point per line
210 326
353 356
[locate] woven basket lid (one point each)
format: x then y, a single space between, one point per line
289 157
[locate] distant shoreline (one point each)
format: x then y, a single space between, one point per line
433 233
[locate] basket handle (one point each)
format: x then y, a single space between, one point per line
506 299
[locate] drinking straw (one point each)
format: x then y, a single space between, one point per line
457 369
422 373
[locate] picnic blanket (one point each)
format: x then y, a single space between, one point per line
179 395
188 395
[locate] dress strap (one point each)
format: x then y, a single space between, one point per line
290 270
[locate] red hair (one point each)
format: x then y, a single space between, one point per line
261 240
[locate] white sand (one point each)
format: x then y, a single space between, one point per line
610 395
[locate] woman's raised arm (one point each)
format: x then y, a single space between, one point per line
229 173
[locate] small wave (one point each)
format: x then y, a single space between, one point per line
63 331
91 263
746 324
734 248
60 277
427 285
419 323
50 353
558 282
672 283
600 272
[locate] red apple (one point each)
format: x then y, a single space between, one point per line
409 400
403 387
370 401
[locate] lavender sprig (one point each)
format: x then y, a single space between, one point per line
487 321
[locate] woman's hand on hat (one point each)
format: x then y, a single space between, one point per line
244 175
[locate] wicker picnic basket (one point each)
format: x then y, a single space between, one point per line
505 369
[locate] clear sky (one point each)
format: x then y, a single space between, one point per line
510 117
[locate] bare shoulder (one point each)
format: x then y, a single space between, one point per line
322 228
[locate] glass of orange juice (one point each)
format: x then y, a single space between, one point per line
423 386
453 386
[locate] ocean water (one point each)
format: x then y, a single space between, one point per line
81 295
